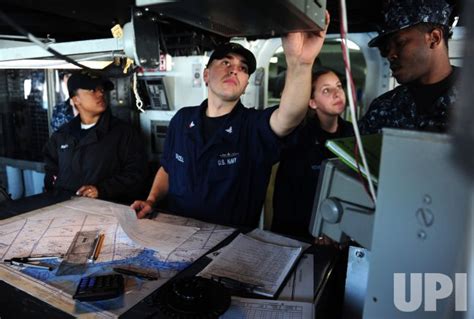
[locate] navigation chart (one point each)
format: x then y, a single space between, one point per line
51 230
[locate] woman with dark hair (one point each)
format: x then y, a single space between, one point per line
300 162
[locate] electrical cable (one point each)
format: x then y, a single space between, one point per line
36 41
352 97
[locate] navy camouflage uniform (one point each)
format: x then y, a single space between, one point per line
62 114
397 109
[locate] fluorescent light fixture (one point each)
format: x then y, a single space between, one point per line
50 64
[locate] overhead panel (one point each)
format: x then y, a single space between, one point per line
244 18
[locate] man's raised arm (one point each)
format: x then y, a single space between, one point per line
301 49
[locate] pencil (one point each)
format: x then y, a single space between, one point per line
27 265
90 258
99 246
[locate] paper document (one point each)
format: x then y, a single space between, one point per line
243 308
268 237
272 238
255 263
162 237
300 286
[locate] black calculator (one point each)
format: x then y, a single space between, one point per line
99 288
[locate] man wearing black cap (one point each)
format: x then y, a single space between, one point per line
218 156
414 39
94 155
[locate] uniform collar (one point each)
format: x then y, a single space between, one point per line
229 130
99 130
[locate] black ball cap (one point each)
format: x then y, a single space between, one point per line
87 80
225 49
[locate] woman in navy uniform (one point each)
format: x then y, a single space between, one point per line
300 162
95 155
